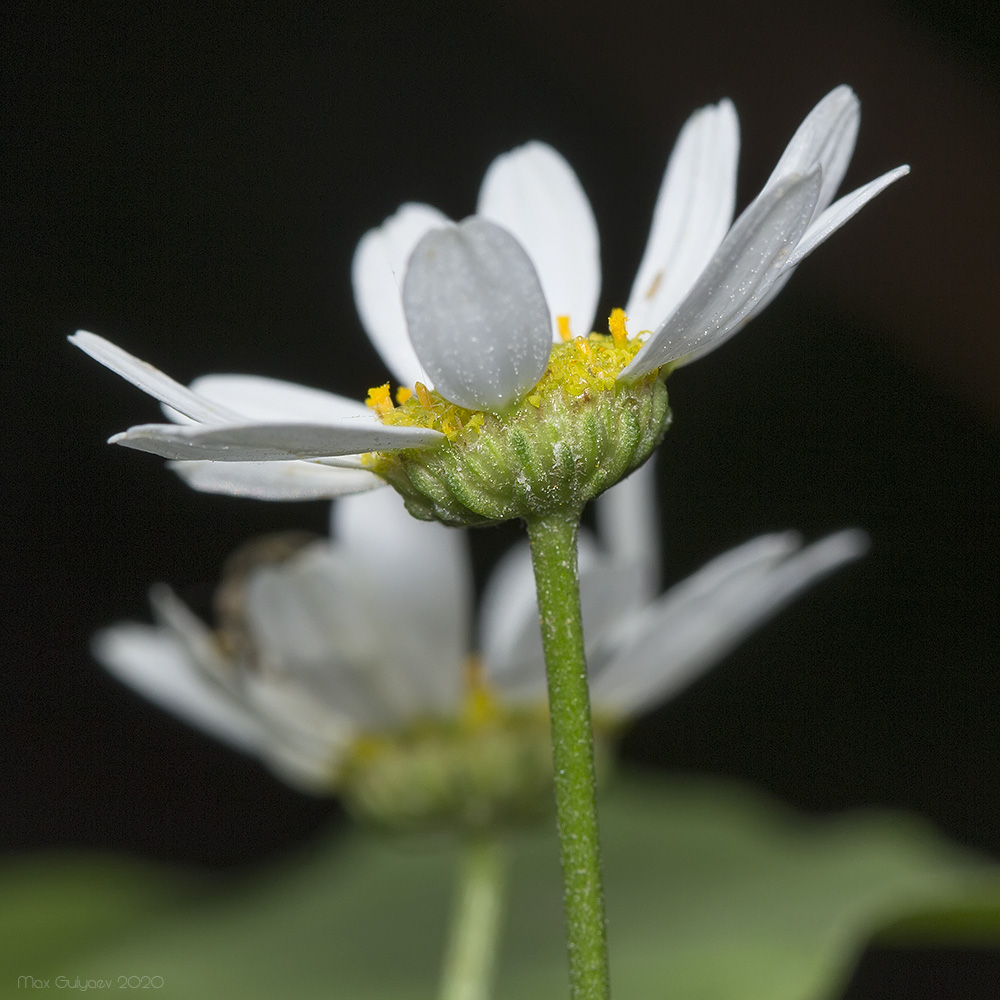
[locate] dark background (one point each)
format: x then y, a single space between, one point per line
191 184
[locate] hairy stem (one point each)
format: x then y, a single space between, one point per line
553 553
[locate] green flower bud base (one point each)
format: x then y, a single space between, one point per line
476 775
574 435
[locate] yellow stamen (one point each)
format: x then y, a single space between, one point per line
563 323
403 394
616 324
379 400
423 395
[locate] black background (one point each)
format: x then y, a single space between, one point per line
191 184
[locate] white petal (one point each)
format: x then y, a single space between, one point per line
693 211
533 193
156 664
744 267
422 589
275 480
510 637
830 220
477 315
307 616
702 619
335 622
152 380
272 442
306 740
629 525
377 273
508 615
823 226
826 138
256 397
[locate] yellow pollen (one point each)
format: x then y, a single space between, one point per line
423 395
616 324
379 400
578 369
403 394
563 323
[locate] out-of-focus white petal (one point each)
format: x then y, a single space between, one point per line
307 616
693 211
476 313
156 663
307 737
152 380
740 273
377 273
700 620
274 441
294 480
195 636
333 621
420 579
533 193
628 525
510 637
508 614
826 138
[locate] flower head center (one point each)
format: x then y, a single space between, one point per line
578 366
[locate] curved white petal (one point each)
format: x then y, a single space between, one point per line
628 525
152 380
377 274
742 270
272 442
832 218
693 211
826 138
294 480
477 315
535 195
824 226
421 585
700 620
155 662
256 397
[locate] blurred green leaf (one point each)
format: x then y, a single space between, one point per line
714 893
66 905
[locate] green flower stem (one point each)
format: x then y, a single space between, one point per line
553 554
471 955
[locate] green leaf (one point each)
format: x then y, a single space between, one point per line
714 893
68 905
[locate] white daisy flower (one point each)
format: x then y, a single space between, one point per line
346 666
467 315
